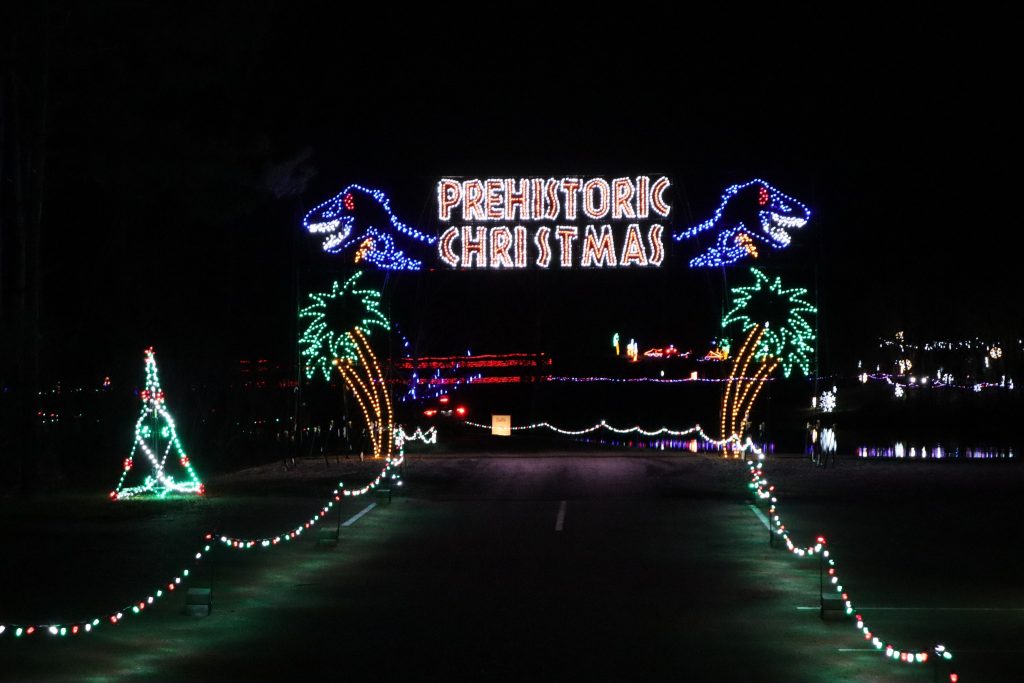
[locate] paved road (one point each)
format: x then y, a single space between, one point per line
510 569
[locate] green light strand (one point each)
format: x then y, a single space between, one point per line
323 345
787 336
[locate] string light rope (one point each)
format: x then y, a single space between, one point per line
604 425
113 618
765 491
389 474
379 422
428 437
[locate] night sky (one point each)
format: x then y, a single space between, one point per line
183 145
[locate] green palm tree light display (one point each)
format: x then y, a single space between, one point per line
777 334
336 337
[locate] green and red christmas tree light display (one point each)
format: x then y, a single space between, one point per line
157 439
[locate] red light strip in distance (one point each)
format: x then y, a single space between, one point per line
512 360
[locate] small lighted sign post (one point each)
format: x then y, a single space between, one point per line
516 223
501 425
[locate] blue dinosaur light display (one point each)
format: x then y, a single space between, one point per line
361 218
750 215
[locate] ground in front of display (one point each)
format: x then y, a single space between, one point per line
563 567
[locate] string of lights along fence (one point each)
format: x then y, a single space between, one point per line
765 491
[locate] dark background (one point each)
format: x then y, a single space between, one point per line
157 159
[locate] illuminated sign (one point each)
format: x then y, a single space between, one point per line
564 223
750 214
360 220
501 425
517 223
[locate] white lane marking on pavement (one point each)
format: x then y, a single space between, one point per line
560 520
760 516
925 609
355 518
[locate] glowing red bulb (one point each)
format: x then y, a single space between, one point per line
461 411
430 412
444 400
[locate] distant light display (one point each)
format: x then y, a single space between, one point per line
591 223
361 218
633 351
750 214
156 437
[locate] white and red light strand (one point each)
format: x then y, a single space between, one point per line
428 437
696 429
765 491
388 473
535 199
16 630
84 626
590 246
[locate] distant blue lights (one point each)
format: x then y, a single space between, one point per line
361 218
750 215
